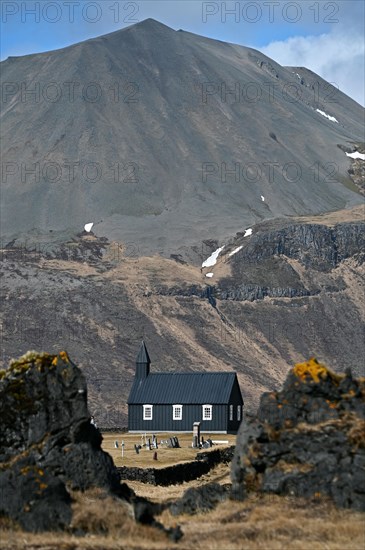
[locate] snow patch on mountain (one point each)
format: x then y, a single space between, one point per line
212 260
331 118
235 250
356 155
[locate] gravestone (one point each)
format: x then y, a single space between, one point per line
172 443
196 435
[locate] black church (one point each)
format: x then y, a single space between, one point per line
173 401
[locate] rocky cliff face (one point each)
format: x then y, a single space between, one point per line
268 257
308 439
264 257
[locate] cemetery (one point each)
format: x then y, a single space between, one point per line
140 450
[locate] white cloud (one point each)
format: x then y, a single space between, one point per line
338 57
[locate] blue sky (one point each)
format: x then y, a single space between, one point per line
327 37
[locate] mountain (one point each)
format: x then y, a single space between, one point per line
135 130
288 280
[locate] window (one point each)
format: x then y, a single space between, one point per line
207 412
177 412
147 412
231 412
239 412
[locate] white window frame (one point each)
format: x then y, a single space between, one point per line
145 413
177 412
239 410
231 412
208 416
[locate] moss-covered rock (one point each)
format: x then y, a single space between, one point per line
308 439
313 371
47 442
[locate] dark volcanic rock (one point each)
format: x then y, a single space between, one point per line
35 498
143 513
199 499
179 473
47 442
312 394
315 246
308 439
255 292
261 267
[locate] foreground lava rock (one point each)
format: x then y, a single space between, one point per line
308 440
199 499
47 443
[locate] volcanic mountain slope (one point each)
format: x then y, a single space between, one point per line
135 130
295 288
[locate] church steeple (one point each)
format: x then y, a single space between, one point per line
143 362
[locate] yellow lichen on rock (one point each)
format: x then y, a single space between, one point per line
29 359
64 356
314 370
40 360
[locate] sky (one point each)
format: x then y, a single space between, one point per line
326 37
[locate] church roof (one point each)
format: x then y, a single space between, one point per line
183 388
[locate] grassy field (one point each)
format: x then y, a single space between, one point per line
260 523
265 523
165 456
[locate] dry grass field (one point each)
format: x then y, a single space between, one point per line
260 523
265 523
